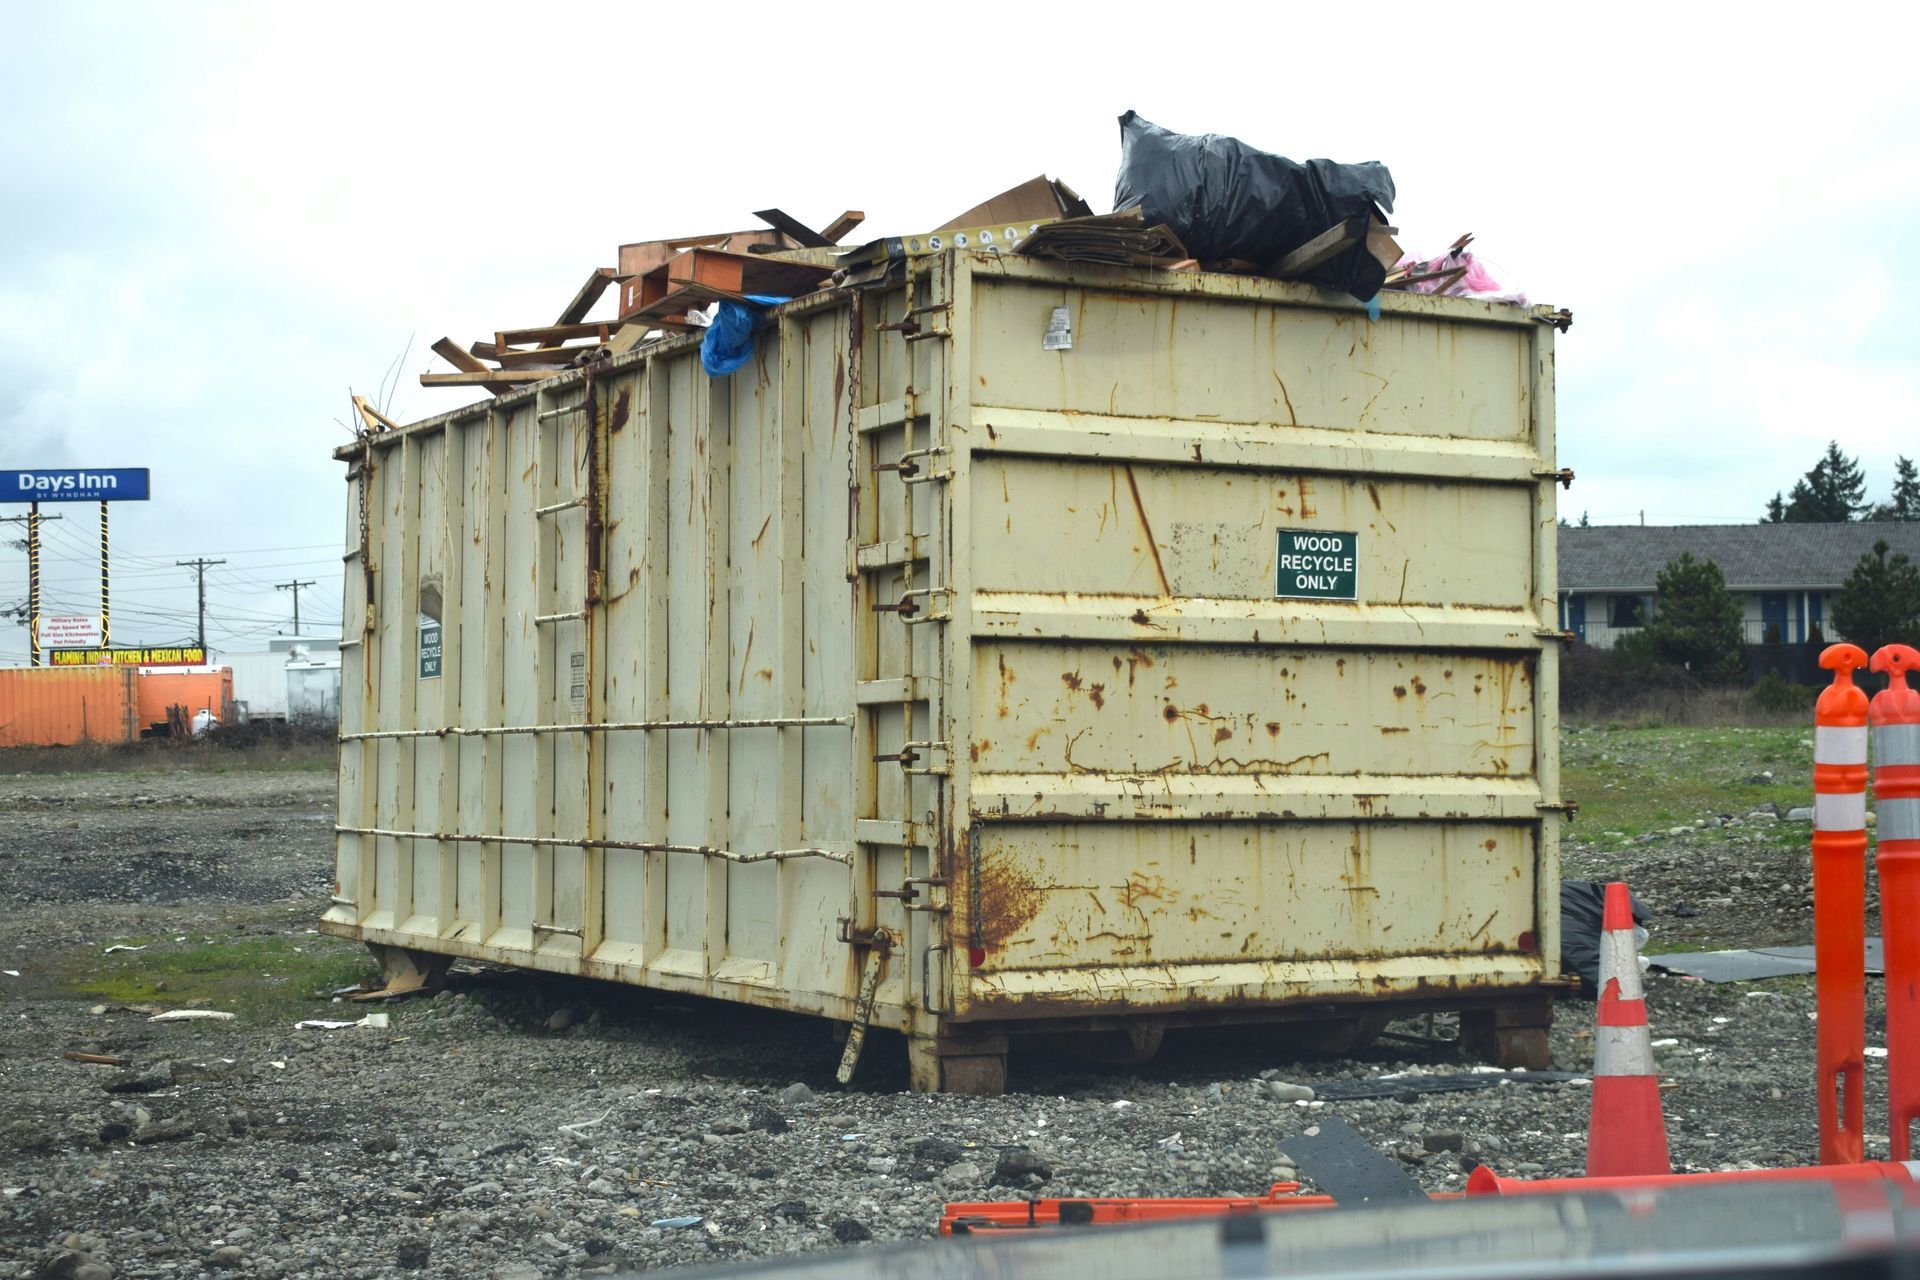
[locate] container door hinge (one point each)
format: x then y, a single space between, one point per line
1561 319
1564 475
1548 633
1568 808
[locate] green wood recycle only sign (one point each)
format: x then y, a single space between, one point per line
1317 564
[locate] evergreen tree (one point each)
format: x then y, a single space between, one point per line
1904 505
1696 623
1879 603
1833 491
1776 509
1584 522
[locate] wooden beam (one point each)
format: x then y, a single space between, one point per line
1334 239
458 356
590 292
541 335
552 357
794 229
375 420
486 377
836 231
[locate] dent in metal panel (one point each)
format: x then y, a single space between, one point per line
751 583
1046 525
1166 709
1070 896
1250 362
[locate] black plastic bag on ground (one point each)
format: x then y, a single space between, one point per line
1226 200
1582 906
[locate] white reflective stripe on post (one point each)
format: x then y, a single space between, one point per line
1896 743
1622 1051
1897 819
1840 744
1846 811
1619 960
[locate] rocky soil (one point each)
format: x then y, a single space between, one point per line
519 1126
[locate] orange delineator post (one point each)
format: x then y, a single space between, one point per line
1626 1132
1895 714
1840 904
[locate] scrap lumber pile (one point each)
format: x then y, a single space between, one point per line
1185 203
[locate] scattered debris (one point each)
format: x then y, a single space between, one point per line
102 1059
121 946
375 1021
192 1015
691 1220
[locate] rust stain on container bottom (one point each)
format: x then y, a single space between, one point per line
1009 900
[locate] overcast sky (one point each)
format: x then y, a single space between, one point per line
215 219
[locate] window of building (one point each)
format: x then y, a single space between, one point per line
1628 611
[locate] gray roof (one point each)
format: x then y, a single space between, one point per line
1754 557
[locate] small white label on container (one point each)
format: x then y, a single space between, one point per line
1059 335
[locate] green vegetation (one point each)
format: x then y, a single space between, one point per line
262 978
1695 627
1879 603
1642 780
292 756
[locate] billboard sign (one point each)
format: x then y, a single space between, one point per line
177 655
79 632
75 484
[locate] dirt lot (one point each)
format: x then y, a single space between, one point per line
436 1146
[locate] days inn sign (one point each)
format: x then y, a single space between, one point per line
75 484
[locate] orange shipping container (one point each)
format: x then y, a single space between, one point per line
65 706
195 690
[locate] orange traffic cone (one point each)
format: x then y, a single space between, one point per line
1626 1134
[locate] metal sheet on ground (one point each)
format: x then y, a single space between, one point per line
1348 1167
1754 964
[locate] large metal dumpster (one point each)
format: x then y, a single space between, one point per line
929 674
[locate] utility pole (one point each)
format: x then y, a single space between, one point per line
32 520
294 587
200 565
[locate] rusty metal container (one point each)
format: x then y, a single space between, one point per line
1015 647
66 706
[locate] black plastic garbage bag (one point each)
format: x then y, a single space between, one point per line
1582 905
1226 200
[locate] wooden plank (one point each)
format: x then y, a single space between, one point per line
538 357
837 230
1333 240
542 335
372 417
485 377
458 356
794 229
590 292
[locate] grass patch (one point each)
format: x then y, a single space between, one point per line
261 978
291 755
1637 780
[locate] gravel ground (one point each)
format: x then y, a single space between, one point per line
520 1126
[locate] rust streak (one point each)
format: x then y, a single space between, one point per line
1140 508
746 655
1291 415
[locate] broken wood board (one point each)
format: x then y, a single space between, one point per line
1037 199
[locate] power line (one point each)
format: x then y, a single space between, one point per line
200 564
294 587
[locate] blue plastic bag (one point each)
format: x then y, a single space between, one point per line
728 343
